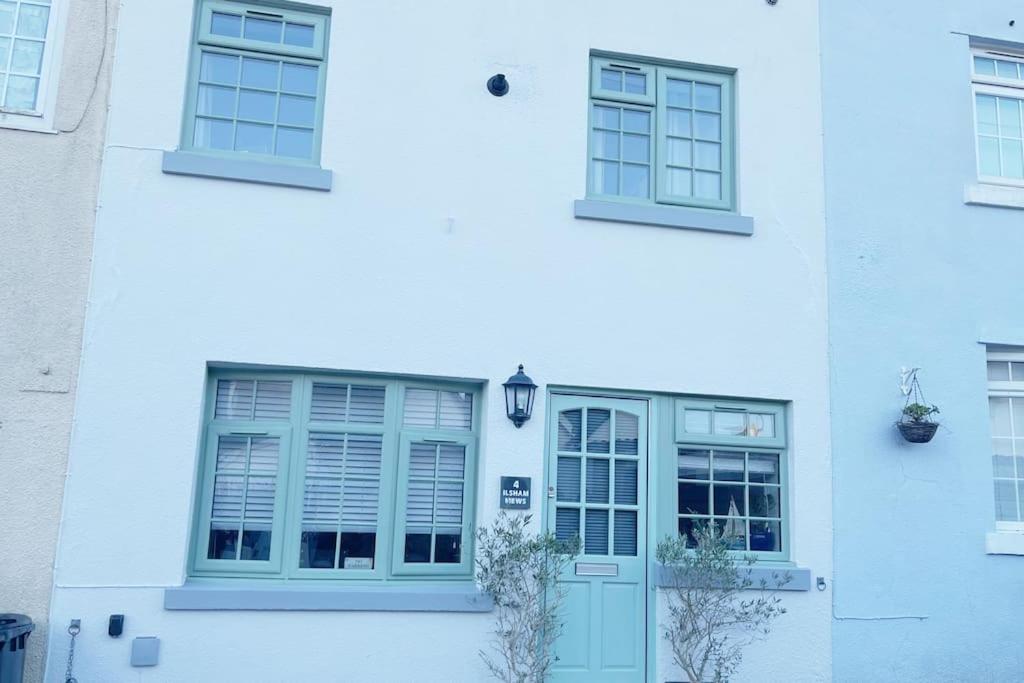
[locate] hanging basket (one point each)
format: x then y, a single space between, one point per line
918 432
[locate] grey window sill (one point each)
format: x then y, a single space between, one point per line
1004 543
800 578
391 598
246 170
664 216
1002 196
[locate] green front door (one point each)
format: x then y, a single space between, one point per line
597 472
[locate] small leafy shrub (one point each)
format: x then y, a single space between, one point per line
520 571
710 622
919 412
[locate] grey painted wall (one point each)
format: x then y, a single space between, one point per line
917 278
48 185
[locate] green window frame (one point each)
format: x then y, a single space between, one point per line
730 465
256 81
310 476
661 133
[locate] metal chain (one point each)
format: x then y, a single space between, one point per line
73 630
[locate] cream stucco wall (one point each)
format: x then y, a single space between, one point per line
48 185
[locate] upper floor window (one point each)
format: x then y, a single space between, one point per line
256 84
310 476
661 134
26 26
1006 409
998 83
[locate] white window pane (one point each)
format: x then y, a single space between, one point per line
297 111
420 408
999 410
611 80
1009 117
636 83
761 425
1018 372
606 117
999 371
1002 466
680 93
606 177
1006 69
265 30
259 73
763 468
679 123
634 121
456 411
1017 407
636 148
254 138
27 57
1006 500
707 185
986 106
635 180
256 106
218 68
707 126
213 134
229 25
7 12
606 144
988 156
298 78
216 101
706 96
708 156
680 152
32 20
1013 158
295 144
679 182
5 48
232 452
697 421
21 92
984 67
300 35
731 424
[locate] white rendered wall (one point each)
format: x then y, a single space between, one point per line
48 185
440 192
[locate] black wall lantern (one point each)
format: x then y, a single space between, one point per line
519 393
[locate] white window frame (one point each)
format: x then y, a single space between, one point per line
41 119
999 87
999 389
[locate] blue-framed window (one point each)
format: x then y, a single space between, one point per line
732 472
998 83
318 476
256 81
661 134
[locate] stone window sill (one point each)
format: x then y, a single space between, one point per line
246 170
800 578
664 216
1004 543
1003 196
392 598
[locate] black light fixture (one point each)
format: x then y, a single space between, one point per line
519 393
497 85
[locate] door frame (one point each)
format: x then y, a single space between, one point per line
653 449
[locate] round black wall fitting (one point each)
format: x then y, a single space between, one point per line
497 85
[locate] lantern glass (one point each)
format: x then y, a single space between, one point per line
519 394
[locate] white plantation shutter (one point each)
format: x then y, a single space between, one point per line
356 404
432 409
435 489
247 399
245 483
342 486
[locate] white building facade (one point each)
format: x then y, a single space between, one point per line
323 245
55 58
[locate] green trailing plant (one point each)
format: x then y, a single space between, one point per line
520 571
919 412
710 620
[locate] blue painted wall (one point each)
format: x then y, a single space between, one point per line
917 278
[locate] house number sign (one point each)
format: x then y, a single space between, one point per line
515 493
